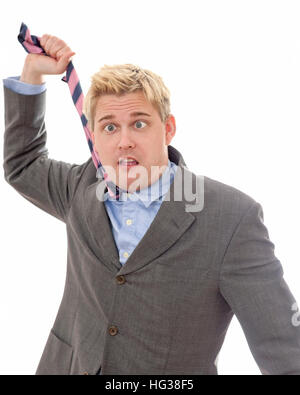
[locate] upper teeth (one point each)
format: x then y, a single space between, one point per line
127 160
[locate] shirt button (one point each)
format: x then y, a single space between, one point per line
113 330
120 280
125 255
129 222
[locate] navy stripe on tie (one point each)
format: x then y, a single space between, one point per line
22 34
77 92
90 143
36 42
84 120
69 71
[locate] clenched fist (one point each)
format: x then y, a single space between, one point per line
38 65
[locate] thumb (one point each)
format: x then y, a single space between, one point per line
63 62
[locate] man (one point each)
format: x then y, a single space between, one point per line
152 284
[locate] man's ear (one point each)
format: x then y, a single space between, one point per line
170 128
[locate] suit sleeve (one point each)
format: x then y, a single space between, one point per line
252 283
47 183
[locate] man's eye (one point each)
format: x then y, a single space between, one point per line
139 123
110 127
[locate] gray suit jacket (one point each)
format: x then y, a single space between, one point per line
167 310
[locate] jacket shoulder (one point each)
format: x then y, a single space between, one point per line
226 198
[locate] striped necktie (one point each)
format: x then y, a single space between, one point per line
31 44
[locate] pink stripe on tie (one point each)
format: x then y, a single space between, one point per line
28 37
73 81
79 104
93 153
32 48
87 132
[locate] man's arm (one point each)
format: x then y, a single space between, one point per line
251 281
47 183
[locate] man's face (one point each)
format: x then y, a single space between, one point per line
132 128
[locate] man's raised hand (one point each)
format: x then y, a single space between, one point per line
37 65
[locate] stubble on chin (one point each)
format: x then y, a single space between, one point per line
136 178
140 177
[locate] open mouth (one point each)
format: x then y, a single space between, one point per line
128 162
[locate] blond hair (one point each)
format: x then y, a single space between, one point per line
126 78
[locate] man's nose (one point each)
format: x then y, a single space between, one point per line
126 140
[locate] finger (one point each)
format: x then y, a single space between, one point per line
57 46
44 39
48 44
53 44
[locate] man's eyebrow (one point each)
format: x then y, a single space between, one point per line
133 114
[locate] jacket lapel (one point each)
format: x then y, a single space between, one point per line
169 224
98 222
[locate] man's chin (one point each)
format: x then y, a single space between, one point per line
135 179
133 182
132 185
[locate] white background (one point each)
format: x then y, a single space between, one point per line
233 71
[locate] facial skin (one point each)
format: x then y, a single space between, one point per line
145 138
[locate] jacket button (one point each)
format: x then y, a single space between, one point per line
121 280
113 330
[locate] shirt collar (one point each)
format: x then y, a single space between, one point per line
154 191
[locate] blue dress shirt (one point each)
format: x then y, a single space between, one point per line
23 88
131 216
